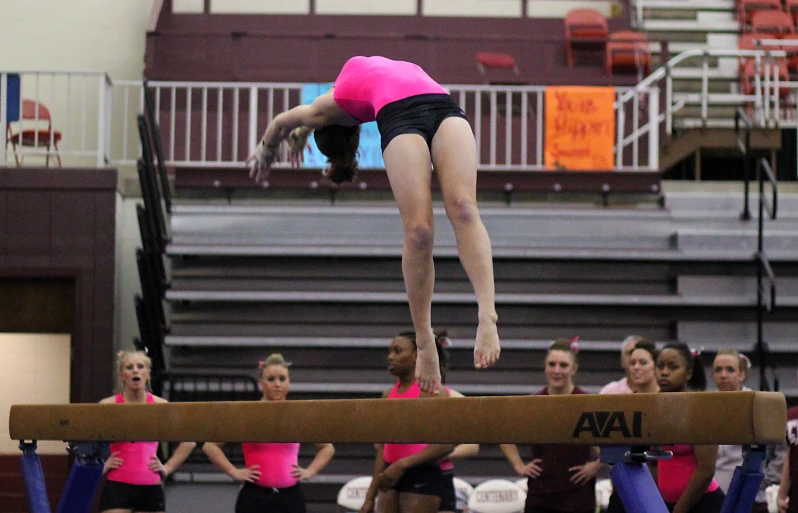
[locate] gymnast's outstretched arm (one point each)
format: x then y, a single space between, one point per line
322 112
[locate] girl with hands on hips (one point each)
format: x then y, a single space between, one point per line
271 474
133 471
560 477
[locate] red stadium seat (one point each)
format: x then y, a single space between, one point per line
628 49
792 9
772 22
745 9
496 60
585 27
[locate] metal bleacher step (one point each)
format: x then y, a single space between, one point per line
360 343
775 240
663 301
375 389
461 345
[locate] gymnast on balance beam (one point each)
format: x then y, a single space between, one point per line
421 126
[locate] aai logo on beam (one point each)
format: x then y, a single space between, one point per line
602 424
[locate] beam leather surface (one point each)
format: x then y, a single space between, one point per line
645 419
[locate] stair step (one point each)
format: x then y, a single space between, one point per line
713 99
713 112
699 25
719 73
694 86
704 5
669 14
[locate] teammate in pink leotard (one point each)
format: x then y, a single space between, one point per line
687 480
421 126
412 478
133 471
271 472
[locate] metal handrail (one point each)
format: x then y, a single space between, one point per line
765 292
770 206
745 148
663 71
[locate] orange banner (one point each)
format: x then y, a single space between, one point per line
580 128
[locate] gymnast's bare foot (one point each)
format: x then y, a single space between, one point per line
486 348
428 370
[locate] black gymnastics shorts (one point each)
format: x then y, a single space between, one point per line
143 498
449 498
256 499
424 479
421 114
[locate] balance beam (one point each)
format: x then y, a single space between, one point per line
637 419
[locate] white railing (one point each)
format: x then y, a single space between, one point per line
764 100
211 124
78 103
214 124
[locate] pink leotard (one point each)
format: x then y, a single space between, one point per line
135 458
394 452
275 461
674 474
367 84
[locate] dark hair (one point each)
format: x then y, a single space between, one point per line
648 346
441 335
569 345
698 381
339 144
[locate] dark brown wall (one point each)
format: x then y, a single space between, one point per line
57 251
60 224
313 48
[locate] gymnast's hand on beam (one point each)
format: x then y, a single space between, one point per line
531 469
391 474
249 474
584 473
113 462
301 474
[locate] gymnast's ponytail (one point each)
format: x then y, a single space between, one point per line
442 344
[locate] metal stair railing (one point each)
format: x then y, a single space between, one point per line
766 291
764 99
